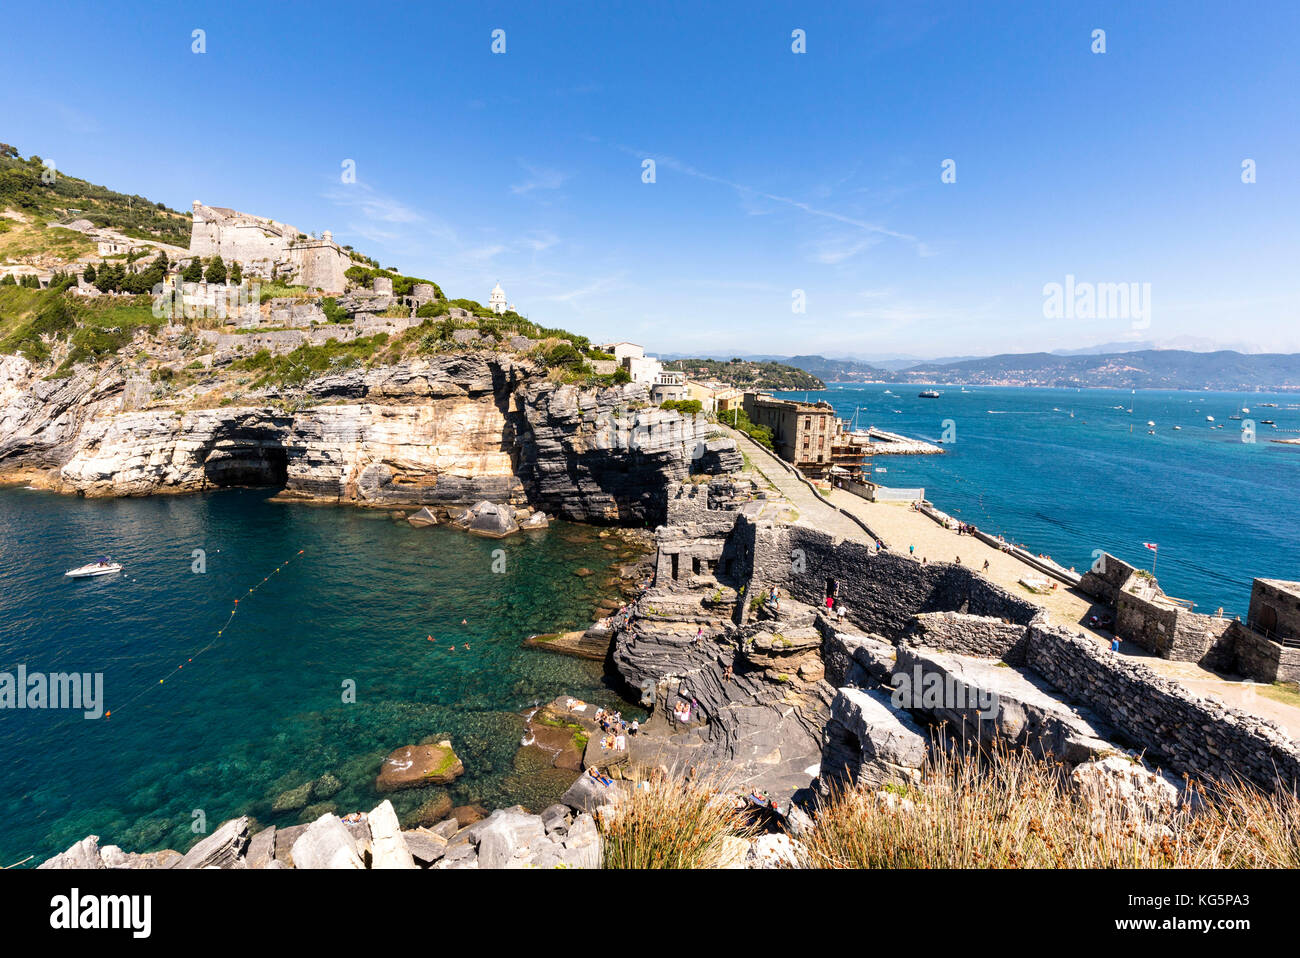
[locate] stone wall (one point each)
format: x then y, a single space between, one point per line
969 635
1171 631
1258 657
1108 576
882 590
1190 735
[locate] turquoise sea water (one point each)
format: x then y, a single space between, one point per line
261 711
1221 510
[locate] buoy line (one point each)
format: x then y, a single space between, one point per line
215 639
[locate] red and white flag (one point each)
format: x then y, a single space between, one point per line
1152 546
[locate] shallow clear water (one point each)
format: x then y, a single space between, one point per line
1222 511
261 711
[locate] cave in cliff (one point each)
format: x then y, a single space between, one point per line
247 465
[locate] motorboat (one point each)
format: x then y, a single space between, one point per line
104 566
928 394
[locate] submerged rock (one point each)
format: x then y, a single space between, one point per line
413 766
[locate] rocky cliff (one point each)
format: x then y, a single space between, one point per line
445 431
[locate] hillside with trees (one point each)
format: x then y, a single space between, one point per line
747 374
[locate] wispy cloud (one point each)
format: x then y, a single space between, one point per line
686 169
539 178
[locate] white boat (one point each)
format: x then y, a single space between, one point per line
1209 419
102 567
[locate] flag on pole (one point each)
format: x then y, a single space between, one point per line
1152 546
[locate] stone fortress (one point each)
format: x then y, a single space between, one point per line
790 698
271 250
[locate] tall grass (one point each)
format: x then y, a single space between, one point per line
1004 810
672 824
1011 810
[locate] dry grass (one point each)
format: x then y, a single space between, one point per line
1006 810
672 824
1015 811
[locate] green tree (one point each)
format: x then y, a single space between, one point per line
193 273
216 271
236 273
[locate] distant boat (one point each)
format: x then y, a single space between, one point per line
102 567
1209 419
1150 422
1178 427
1266 422
928 394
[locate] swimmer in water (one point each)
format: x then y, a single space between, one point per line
466 646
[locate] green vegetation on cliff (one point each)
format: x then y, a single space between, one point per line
748 374
33 188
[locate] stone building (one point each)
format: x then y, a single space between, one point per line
268 249
803 433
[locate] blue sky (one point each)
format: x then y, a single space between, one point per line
775 171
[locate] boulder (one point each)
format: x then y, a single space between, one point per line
869 740
506 835
221 849
426 847
412 766
326 844
388 846
284 839
261 849
538 520
1121 788
425 517
587 794
495 522
774 851
582 848
466 815
84 854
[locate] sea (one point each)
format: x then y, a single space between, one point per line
252 646
1069 472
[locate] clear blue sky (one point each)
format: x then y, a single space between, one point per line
776 171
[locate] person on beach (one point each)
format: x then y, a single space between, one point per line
958 560
911 550
986 565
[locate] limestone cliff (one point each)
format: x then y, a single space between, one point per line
445 431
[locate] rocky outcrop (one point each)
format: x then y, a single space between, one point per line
983 700
607 455
871 741
448 431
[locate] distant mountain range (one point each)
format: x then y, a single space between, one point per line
1224 370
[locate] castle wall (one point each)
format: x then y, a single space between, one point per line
1192 735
